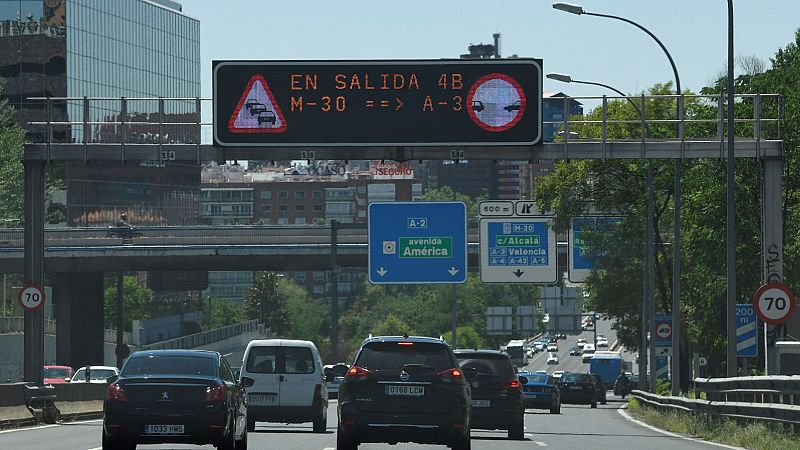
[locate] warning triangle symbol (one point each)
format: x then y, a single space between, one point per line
257 110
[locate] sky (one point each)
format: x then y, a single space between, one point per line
586 47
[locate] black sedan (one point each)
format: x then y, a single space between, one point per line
578 388
175 396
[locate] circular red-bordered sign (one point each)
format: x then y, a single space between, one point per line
496 102
31 297
664 330
774 303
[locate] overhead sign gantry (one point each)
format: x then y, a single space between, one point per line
412 103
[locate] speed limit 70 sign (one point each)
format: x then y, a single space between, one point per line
31 297
774 303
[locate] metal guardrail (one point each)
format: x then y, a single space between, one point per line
10 325
774 399
207 337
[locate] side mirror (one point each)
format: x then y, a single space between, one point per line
247 382
67 380
523 379
112 379
470 373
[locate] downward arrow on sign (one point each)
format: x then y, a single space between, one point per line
453 271
518 273
382 271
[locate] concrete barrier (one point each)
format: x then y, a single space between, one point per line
13 411
72 402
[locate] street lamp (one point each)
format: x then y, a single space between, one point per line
676 263
730 220
648 305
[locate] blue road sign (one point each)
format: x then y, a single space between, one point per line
518 250
417 242
662 368
663 331
581 259
746 334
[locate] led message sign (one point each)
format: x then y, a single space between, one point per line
377 103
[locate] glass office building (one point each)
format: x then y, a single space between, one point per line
113 49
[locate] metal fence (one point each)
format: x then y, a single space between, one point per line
771 399
10 325
207 337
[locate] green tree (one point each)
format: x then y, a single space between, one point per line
223 313
12 140
392 326
446 194
135 301
467 337
265 302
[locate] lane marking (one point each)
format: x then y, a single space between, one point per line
623 413
541 444
41 427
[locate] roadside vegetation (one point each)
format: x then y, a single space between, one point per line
756 436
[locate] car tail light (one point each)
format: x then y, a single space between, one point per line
115 392
356 371
214 394
453 374
513 384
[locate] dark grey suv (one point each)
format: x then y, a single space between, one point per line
404 389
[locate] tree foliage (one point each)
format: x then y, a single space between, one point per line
266 302
12 139
135 301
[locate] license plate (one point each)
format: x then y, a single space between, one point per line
412 391
262 399
575 388
481 403
531 395
163 429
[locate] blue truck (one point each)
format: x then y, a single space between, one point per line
608 365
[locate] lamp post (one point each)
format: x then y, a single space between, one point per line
676 263
648 305
730 220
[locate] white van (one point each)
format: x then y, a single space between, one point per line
288 383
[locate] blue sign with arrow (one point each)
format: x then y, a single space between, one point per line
417 242
746 336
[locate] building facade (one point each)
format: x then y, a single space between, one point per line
111 49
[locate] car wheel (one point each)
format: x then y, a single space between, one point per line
462 443
517 431
251 425
321 425
594 403
603 401
555 409
113 444
344 442
242 443
228 441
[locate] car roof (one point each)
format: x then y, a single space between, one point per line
404 338
476 351
98 367
280 343
175 352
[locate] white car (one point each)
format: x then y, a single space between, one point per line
552 358
552 348
558 374
581 342
602 342
97 374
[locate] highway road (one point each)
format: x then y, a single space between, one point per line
577 427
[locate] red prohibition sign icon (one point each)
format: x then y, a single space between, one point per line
774 303
496 102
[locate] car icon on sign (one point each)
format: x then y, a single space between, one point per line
266 116
477 105
251 102
513 107
257 109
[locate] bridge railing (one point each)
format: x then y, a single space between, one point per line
211 336
753 399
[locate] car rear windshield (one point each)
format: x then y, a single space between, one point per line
576 378
94 374
270 359
170 365
393 356
536 378
495 365
55 372
515 352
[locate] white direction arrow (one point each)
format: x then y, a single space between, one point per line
453 271
382 271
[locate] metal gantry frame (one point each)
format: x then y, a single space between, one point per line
96 146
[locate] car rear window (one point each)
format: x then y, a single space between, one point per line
298 360
534 378
487 364
269 359
95 374
262 360
55 372
576 378
392 356
170 365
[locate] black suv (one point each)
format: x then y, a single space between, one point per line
497 399
404 389
578 388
